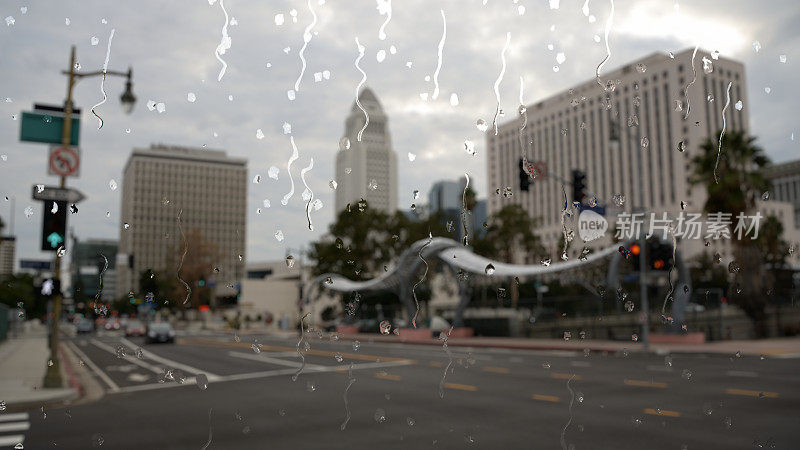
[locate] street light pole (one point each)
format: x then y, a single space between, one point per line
52 378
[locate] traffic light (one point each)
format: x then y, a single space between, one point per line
635 250
524 179
54 225
578 186
659 255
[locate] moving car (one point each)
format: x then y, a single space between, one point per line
160 332
134 328
112 324
84 326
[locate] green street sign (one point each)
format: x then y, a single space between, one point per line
38 126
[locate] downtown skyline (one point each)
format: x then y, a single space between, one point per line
169 64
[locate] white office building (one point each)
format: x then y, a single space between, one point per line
209 191
635 140
368 168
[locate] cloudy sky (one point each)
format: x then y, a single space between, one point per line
171 48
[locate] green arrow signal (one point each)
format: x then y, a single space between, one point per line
54 239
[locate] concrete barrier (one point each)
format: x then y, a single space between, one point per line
415 334
686 338
347 329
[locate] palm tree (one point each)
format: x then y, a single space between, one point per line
733 179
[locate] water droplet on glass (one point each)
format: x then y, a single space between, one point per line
120 352
279 235
202 381
481 125
489 269
686 374
344 143
28 212
756 46
338 357
682 146
10 21
411 156
738 105
469 147
733 267
645 142
381 55
629 306
619 199
453 99
380 415
385 327
641 68
765 196
782 59
546 365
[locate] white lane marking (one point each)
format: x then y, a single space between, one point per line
138 377
266 359
114 387
10 441
13 417
654 368
262 374
14 426
168 362
580 364
128 358
741 373
515 359
785 356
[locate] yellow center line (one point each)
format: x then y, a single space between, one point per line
496 369
387 376
435 364
276 348
640 383
749 393
461 387
662 412
564 376
546 398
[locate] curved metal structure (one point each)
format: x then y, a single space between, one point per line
458 258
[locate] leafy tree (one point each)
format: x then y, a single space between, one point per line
19 288
363 240
510 232
196 269
733 188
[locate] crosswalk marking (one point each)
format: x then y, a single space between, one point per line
13 417
14 426
10 441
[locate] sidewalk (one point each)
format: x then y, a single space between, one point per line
23 363
780 347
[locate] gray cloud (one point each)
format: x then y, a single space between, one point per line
171 48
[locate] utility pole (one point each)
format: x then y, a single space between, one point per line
52 378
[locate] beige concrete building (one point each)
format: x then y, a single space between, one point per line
368 168
648 163
273 288
208 189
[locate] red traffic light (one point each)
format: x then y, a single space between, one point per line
635 249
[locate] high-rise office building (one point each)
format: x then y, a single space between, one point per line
636 140
368 168
446 198
207 188
92 259
785 179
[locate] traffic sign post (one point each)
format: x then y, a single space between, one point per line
59 194
48 127
64 161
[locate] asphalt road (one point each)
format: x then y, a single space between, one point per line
491 398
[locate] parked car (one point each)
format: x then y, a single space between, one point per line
84 326
134 328
160 332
